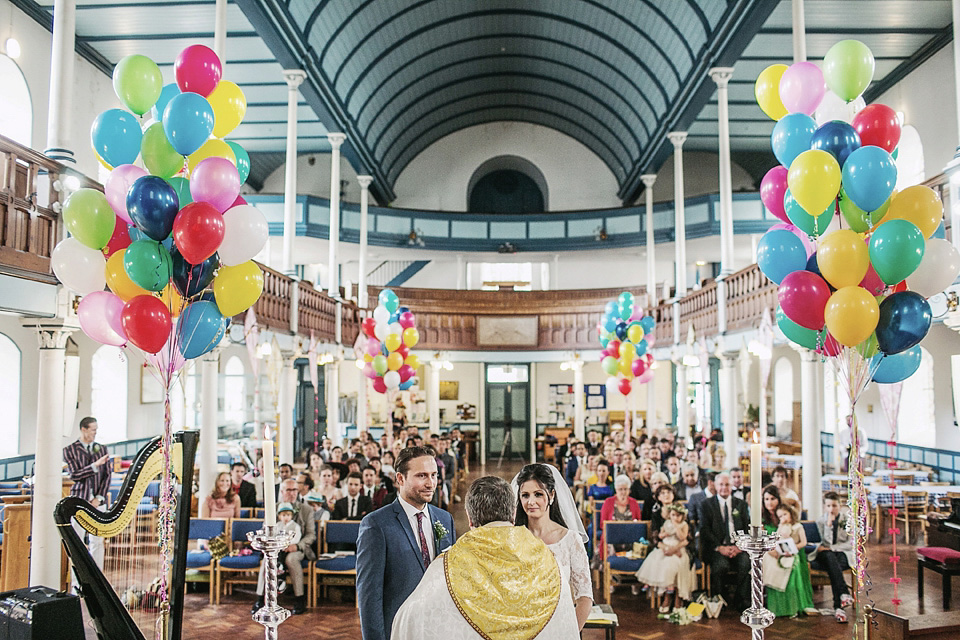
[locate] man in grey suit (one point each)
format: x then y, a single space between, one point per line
834 554
398 542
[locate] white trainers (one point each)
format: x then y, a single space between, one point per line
840 615
846 600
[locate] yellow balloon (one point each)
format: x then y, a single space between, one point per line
237 288
118 280
767 91
172 298
625 368
212 148
920 205
367 357
103 163
411 336
814 180
851 315
843 258
413 361
628 353
394 361
392 341
229 106
635 333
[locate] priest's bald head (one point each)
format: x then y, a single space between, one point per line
490 499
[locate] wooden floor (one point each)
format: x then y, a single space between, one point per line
334 621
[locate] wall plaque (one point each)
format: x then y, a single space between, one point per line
507 331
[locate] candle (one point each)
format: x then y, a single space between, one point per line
756 490
269 497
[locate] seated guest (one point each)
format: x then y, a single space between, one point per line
246 490
834 554
656 480
354 465
689 486
640 490
736 481
665 496
222 501
353 506
719 457
695 502
780 481
721 517
304 483
316 501
327 488
601 489
285 471
673 470
577 460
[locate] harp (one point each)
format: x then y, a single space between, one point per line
107 602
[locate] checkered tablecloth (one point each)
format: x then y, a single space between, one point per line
880 496
827 480
918 476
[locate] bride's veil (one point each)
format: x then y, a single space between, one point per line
568 508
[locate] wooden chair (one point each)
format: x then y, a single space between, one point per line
335 532
902 477
201 561
621 532
240 569
915 504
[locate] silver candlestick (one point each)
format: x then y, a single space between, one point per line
271 541
756 543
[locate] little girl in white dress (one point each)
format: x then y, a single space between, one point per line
668 566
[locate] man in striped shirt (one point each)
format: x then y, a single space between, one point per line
88 463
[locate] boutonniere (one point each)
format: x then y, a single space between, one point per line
439 532
736 513
842 524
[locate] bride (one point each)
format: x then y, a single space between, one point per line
546 507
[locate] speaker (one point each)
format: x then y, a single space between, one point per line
40 613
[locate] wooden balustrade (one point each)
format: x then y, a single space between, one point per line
749 292
273 307
699 310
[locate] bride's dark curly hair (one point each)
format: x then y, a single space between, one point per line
542 475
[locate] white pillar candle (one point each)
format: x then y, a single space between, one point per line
755 488
269 497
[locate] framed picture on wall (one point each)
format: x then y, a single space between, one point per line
449 390
151 391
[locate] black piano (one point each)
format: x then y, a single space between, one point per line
945 531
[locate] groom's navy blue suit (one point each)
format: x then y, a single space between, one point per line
390 565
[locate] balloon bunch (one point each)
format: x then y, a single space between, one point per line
626 335
173 243
390 334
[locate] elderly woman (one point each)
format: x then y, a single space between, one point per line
656 481
620 506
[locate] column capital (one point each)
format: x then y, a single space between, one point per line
364 182
52 334
294 77
721 75
336 139
677 138
648 179
213 355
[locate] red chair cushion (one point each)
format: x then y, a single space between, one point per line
940 554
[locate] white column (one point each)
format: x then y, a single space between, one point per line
294 78
288 395
810 440
721 76
331 381
648 180
683 407
336 139
461 276
433 396
364 182
220 33
728 406
48 481
800 35
651 407
61 107
579 412
680 239
555 273
209 398
362 419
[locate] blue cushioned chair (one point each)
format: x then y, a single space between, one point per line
335 532
242 569
202 561
620 532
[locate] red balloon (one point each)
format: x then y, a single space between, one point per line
830 347
649 358
378 385
613 348
403 350
198 231
872 282
406 372
803 296
638 366
899 287
198 69
878 125
120 238
624 386
146 321
369 325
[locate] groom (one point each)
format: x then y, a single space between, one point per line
399 541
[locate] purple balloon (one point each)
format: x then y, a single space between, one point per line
215 181
117 186
802 88
99 315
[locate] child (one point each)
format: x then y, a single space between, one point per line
834 554
668 567
786 574
285 522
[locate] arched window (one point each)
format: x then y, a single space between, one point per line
783 396
10 396
108 398
917 420
507 184
234 392
16 108
910 166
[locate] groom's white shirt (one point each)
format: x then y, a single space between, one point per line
430 613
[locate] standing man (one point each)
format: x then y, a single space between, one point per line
397 543
354 505
736 481
88 463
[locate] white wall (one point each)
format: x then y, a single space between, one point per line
701 175
313 178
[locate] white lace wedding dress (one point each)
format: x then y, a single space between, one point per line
574 565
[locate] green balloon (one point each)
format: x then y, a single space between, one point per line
896 249
379 364
609 364
158 154
803 220
182 188
148 264
795 333
137 81
243 160
858 219
848 68
89 218
869 347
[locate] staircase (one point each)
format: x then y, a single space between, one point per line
394 273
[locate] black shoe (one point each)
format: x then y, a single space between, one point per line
300 605
256 606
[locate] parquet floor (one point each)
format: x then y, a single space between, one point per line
336 621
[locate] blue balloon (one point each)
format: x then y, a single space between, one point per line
648 323
191 279
610 309
641 348
610 324
135 234
402 310
188 122
812 265
200 329
837 138
897 367
869 176
905 319
779 254
152 204
791 136
621 332
208 296
406 385
167 94
116 137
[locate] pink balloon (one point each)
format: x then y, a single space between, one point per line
378 385
239 201
161 359
215 181
872 282
772 189
373 347
198 69
406 372
645 377
803 296
802 88
637 313
368 371
99 315
119 182
804 238
407 320
638 366
651 339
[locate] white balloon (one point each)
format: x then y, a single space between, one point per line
938 269
381 315
79 267
245 235
391 379
613 385
394 327
380 332
833 107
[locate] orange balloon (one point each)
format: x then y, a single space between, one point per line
118 280
920 205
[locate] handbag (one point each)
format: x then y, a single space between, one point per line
218 547
640 550
713 605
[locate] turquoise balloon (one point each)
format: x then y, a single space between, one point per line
200 329
896 249
243 160
800 335
182 187
148 264
780 253
116 137
869 177
188 122
166 95
897 367
792 136
389 300
803 220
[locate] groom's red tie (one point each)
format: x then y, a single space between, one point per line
424 551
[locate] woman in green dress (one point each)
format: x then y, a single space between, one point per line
787 573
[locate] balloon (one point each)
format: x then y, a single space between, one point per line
802 87
406 372
117 186
245 234
391 379
411 337
772 189
609 365
389 300
624 387
120 238
795 333
152 204
810 225
215 180
181 187
804 238
848 68
190 279
188 122
238 288
767 91
878 125
814 180
116 137
803 296
118 280
833 108
843 258
379 364
212 148
837 138
173 300
869 176
373 346
381 315
89 218
648 324
392 341
78 266
897 367
198 231
200 329
780 253
166 94
394 361
904 320
413 360
99 316
859 220
625 311
159 156
148 265
367 325
791 137
872 282
407 320
920 205
229 106
621 331
635 333
851 315
147 323
368 370
896 250
641 347
167 361
637 367
830 347
242 158
938 269
197 69
613 348
379 386
138 82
